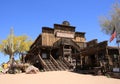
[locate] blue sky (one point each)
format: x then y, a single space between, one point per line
29 16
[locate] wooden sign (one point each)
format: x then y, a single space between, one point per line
63 34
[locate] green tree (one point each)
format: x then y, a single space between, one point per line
112 21
14 45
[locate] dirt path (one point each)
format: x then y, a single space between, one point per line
55 77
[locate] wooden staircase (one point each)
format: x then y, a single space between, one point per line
51 65
62 65
54 65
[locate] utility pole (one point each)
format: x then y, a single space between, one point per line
117 31
118 43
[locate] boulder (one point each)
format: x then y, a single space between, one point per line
32 70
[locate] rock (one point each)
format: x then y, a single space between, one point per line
32 70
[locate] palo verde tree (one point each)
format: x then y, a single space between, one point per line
112 21
14 45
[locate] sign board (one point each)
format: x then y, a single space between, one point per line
116 69
44 55
63 34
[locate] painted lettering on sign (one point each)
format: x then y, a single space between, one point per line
67 35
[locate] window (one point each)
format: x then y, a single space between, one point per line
44 55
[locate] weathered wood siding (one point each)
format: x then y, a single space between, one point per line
79 39
50 35
48 39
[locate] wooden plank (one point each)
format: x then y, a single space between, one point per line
55 62
102 45
42 62
92 43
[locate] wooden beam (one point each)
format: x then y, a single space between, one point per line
42 62
55 62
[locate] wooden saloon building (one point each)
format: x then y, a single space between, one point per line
63 48
53 48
